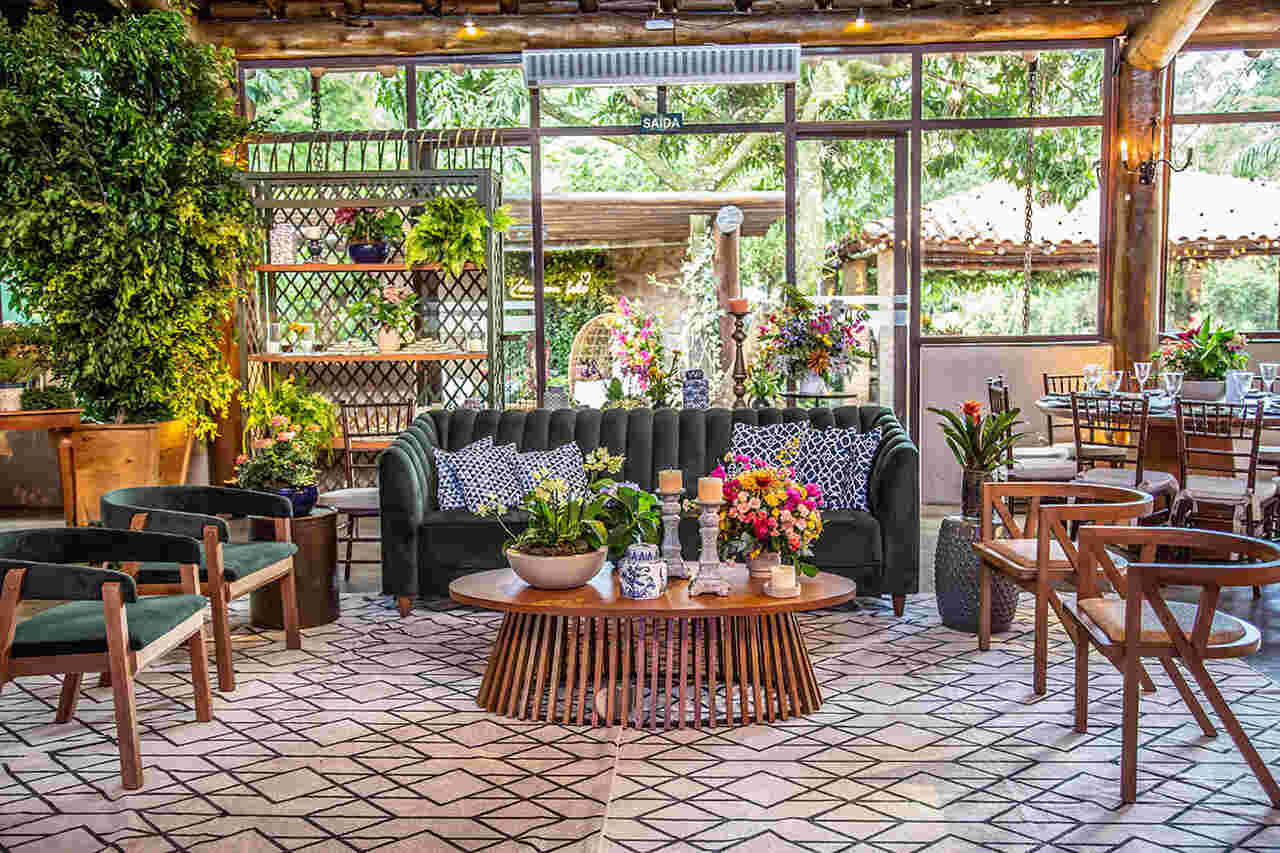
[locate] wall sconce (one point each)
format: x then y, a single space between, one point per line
1146 170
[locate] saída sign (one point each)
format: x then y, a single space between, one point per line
661 122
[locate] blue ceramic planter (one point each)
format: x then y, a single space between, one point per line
368 253
303 498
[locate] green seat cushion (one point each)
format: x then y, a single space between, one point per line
239 561
80 627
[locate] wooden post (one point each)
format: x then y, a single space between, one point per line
1138 220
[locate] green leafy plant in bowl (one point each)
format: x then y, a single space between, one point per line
451 232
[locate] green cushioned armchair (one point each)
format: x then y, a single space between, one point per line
425 548
104 627
227 570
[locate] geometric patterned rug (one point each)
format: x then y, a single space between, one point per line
369 739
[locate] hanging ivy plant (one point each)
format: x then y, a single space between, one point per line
451 233
123 226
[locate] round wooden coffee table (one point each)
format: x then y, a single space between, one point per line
675 660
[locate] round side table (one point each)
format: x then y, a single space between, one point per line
955 578
315 569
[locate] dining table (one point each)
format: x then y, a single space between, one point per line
1162 430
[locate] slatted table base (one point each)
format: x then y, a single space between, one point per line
649 672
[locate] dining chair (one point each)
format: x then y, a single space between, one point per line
1063 385
227 570
103 626
1119 423
1146 625
1041 552
1028 463
366 428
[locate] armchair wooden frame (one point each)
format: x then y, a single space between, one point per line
1144 579
120 662
1041 551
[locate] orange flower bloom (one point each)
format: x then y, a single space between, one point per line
819 360
972 410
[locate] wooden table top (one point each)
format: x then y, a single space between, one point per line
500 589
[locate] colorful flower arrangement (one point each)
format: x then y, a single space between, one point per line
283 459
1203 352
389 306
367 224
802 337
636 343
766 509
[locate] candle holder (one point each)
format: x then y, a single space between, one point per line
709 579
772 589
676 567
739 365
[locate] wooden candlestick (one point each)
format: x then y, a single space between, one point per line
709 579
676 567
739 364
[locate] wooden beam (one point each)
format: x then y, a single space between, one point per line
302 39
1158 39
1236 20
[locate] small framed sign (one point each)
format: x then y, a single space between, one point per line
661 122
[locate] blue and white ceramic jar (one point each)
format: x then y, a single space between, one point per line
642 573
697 391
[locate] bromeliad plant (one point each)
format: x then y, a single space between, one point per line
979 443
368 224
1203 352
451 232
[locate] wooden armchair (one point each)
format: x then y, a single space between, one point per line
104 627
227 570
1145 625
1041 551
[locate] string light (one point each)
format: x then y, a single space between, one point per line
860 23
469 27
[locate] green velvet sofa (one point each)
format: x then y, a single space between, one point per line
425 548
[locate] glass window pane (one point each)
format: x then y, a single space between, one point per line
1224 227
471 96
734 104
974 220
599 106
854 88
994 85
1223 81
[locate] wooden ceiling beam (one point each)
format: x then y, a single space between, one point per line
1158 39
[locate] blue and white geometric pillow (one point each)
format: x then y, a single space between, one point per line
565 462
490 476
778 444
839 460
448 487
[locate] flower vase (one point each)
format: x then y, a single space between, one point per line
389 340
1203 389
971 492
813 384
761 566
368 253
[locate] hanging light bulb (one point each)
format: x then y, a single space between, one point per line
860 23
469 27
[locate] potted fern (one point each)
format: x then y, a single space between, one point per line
450 233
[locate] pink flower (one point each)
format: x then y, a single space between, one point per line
813 490
718 472
345 215
287 435
241 459
263 443
279 421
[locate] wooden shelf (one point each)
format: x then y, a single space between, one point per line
329 357
40 419
348 267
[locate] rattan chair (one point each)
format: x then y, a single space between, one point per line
1145 625
591 351
366 428
1119 423
1040 552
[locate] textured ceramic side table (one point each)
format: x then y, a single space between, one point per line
955 578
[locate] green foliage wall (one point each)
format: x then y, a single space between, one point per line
122 226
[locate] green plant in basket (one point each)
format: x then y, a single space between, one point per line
979 443
451 233
16 370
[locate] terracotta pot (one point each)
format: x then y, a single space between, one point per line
389 340
11 396
761 566
101 457
971 492
1203 389
556 572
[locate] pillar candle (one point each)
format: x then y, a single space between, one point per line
670 482
710 490
738 305
784 576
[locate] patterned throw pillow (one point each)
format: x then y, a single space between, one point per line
448 487
565 462
490 476
839 460
776 444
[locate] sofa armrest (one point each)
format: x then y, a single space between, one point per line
402 499
893 493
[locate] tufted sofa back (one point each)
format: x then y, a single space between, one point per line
692 440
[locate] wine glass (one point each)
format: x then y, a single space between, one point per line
1142 372
1268 369
1172 380
1092 376
1114 379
